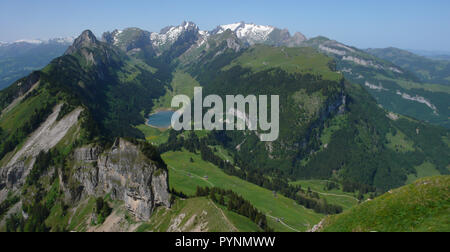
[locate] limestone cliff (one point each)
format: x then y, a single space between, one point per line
124 173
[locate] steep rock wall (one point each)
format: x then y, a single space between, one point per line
124 173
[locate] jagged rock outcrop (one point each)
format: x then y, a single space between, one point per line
252 34
96 55
86 39
130 40
126 174
296 40
12 175
87 154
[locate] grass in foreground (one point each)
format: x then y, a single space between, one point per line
426 169
423 206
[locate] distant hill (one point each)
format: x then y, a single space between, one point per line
395 87
423 206
438 55
428 70
20 58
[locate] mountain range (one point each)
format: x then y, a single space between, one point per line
19 58
399 80
76 153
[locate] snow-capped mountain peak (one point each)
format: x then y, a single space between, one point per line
29 41
233 27
250 33
61 40
170 34
112 37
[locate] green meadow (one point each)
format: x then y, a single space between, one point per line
335 196
283 214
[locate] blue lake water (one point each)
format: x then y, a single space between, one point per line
161 119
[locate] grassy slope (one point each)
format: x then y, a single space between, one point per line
154 135
408 85
428 70
17 117
421 206
182 84
195 213
21 112
336 197
426 169
180 167
299 60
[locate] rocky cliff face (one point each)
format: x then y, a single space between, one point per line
130 40
86 39
126 174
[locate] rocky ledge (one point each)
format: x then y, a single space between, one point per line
124 173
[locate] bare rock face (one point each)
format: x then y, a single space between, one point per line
87 154
86 39
12 175
126 174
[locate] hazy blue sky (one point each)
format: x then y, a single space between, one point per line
412 24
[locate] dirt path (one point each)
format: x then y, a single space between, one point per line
332 194
225 217
284 224
187 174
336 195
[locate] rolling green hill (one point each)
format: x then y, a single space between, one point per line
334 196
399 81
428 70
185 176
337 128
423 206
197 215
20 59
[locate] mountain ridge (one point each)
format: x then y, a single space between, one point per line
330 128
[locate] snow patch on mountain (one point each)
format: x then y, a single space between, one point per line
232 27
250 32
204 35
67 40
116 37
171 34
61 40
29 41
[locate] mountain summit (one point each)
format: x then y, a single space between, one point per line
86 39
262 34
188 36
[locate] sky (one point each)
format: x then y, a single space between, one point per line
407 24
